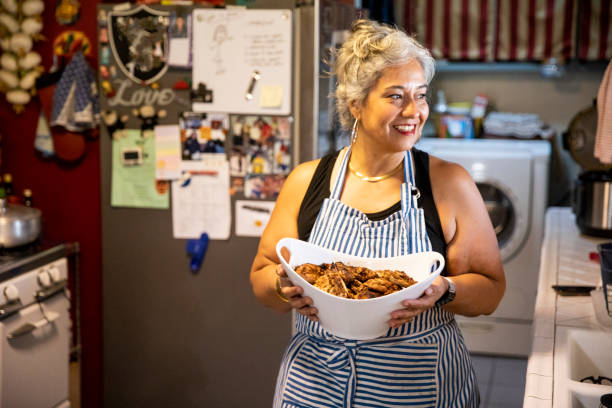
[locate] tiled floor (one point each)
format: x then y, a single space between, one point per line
501 381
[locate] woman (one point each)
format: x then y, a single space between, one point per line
381 187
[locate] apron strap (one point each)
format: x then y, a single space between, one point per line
408 167
339 183
410 193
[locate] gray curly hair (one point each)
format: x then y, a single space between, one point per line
370 48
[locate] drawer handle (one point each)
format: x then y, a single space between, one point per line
28 328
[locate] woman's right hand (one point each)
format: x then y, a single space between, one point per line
293 294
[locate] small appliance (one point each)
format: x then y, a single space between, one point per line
592 203
591 199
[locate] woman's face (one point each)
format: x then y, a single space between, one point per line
396 108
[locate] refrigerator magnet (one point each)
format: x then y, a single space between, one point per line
131 156
252 83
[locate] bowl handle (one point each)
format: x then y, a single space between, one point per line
284 243
436 257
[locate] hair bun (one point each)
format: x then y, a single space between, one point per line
369 37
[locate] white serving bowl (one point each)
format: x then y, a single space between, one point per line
358 319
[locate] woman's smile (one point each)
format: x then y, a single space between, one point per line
406 130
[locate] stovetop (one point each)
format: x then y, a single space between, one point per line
14 261
13 254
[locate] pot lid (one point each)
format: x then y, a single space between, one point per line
581 140
17 211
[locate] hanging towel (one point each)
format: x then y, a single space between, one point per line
75 99
603 138
43 141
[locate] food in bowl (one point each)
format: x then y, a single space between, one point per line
354 282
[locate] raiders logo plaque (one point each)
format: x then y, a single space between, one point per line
139 42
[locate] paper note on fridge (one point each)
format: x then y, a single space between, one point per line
133 173
167 152
202 205
271 96
178 56
252 217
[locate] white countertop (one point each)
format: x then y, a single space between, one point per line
564 261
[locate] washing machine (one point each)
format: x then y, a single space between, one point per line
512 177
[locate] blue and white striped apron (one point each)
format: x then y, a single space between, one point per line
423 363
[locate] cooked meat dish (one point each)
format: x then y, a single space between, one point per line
354 282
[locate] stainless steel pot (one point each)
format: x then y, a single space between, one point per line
592 203
19 225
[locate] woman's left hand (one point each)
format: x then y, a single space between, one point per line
414 307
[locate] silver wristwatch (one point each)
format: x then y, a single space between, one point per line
449 295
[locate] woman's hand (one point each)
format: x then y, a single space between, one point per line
293 294
414 307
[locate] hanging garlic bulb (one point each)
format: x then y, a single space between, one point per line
32 7
9 79
30 60
29 80
9 5
31 26
5 43
21 43
18 98
9 62
9 22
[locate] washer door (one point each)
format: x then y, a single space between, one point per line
505 217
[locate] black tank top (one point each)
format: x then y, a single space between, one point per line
318 190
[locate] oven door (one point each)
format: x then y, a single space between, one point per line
34 356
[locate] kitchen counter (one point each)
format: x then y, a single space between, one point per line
564 261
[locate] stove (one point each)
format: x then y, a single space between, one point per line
34 327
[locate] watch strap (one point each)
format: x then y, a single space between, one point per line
449 295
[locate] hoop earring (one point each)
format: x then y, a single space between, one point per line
354 131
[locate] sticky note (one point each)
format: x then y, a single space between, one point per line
271 96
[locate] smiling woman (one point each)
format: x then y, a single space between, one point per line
395 200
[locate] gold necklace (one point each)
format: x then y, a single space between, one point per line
374 179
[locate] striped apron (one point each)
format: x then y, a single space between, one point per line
423 363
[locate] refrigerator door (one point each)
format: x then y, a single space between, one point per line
177 338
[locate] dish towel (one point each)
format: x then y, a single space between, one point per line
603 138
75 99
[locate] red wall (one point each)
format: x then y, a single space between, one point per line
67 195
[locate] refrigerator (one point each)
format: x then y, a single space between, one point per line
177 338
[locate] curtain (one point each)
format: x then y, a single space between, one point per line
452 29
510 30
535 30
595 30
